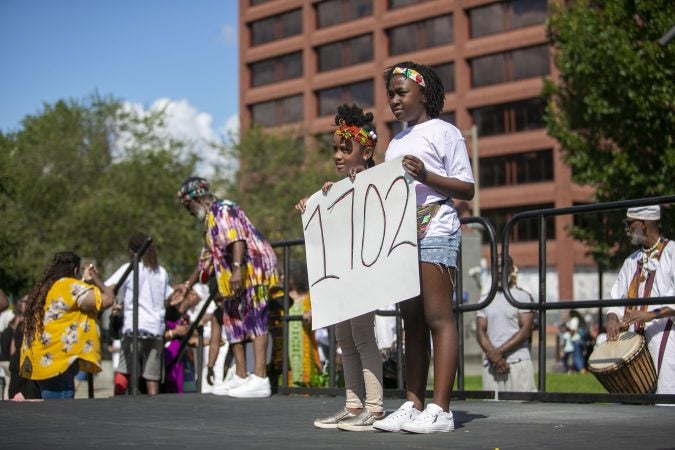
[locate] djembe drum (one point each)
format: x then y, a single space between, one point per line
624 366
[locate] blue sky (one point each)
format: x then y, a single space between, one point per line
139 51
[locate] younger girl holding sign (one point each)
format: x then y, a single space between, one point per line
353 147
435 157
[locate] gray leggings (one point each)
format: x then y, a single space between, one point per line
361 362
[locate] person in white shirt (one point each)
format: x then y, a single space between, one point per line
435 158
153 290
647 272
503 332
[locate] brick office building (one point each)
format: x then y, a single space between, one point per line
300 59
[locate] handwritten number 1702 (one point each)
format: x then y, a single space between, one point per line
372 193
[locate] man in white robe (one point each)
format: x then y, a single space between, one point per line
648 272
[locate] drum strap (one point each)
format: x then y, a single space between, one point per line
664 342
633 289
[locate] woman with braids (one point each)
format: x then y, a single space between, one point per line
60 332
353 147
435 156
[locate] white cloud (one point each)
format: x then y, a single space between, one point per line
230 129
184 122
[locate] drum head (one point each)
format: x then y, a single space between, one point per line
611 354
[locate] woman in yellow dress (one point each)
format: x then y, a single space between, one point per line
61 335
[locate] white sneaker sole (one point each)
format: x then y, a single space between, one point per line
325 426
428 429
385 427
250 394
355 427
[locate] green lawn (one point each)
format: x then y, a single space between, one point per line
555 382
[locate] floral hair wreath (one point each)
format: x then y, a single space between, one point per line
358 134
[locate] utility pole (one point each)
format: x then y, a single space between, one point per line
473 134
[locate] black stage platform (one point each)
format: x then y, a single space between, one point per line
202 421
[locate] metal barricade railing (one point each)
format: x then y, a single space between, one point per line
541 307
459 309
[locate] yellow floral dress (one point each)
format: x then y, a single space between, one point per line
69 334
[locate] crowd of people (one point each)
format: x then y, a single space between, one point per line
54 333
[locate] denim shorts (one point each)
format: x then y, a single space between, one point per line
442 250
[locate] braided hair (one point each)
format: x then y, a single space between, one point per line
434 92
353 115
62 265
150 256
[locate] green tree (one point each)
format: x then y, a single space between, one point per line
85 175
276 170
612 107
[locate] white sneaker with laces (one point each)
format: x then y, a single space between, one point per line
254 387
233 382
405 413
432 420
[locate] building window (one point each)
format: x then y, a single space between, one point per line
345 53
446 72
276 69
504 16
259 2
276 27
360 93
448 117
518 168
278 112
393 4
525 230
510 66
420 35
332 12
509 117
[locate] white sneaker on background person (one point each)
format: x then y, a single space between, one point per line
254 387
432 420
405 413
234 382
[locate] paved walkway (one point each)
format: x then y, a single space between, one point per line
285 422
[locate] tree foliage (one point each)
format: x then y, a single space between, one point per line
276 170
612 107
83 176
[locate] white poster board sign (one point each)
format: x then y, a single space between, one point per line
361 244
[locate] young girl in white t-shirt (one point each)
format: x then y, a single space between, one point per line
435 156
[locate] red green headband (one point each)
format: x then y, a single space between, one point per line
358 134
410 73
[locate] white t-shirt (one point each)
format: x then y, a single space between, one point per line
502 322
441 147
6 317
154 289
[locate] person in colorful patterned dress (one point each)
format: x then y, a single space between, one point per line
61 335
244 265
